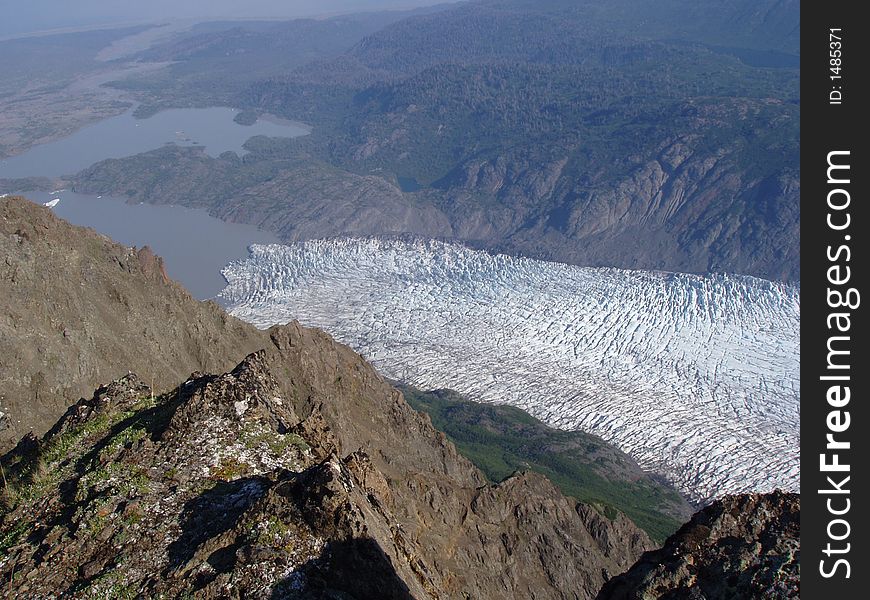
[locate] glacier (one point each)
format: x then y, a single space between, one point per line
696 377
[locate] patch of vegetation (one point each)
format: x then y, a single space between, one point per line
35 475
254 436
95 524
275 533
246 117
96 517
110 585
31 476
123 439
230 468
116 478
13 534
501 440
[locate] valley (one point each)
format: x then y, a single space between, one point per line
293 471
501 440
427 145
661 148
483 299
50 87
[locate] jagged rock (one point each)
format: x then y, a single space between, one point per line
218 488
77 310
120 394
738 547
152 265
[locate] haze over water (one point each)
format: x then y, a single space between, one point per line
125 135
194 245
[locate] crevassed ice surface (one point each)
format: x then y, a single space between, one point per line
697 377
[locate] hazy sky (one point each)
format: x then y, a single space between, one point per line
23 16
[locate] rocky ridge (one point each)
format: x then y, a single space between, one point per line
744 546
256 483
78 310
697 378
287 477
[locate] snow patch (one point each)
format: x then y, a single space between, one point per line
241 406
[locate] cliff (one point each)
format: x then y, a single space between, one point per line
744 546
78 310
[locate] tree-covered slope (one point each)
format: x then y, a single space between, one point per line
569 132
501 440
606 134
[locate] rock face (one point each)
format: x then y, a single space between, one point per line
77 310
300 474
738 547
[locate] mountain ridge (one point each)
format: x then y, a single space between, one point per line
224 434
284 477
663 365
529 130
85 325
303 419
707 555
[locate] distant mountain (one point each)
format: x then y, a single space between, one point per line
628 134
214 63
612 134
487 31
38 15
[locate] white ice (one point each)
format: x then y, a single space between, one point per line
697 377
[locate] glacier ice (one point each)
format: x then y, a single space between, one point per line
697 377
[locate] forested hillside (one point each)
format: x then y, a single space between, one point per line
597 134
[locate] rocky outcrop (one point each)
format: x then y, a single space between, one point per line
738 547
78 310
290 477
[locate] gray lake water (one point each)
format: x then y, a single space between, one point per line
194 245
124 135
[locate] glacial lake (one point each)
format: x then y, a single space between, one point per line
124 135
194 245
